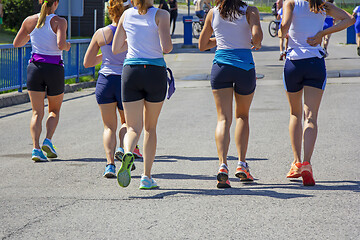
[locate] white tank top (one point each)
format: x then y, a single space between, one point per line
142 34
44 40
304 24
231 35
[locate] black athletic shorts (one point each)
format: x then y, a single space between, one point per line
45 76
227 76
147 82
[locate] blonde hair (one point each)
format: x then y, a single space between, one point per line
142 6
116 9
46 5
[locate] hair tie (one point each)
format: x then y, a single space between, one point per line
45 1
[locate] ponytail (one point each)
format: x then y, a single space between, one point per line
46 5
230 9
142 6
116 9
316 6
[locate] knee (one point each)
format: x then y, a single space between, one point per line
150 129
224 123
38 115
243 117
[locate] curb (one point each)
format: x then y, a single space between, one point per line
15 98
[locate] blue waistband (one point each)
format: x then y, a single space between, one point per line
145 61
241 58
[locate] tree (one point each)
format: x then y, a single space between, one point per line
15 11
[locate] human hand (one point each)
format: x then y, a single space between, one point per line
315 40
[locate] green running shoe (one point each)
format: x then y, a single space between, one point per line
124 175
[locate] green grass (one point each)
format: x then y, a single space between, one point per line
264 9
7 36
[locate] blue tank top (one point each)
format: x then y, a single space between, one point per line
111 64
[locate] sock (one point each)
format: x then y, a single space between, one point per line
244 164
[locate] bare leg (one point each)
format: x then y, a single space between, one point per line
37 104
223 101
242 106
122 130
151 113
312 99
54 114
134 121
295 125
109 117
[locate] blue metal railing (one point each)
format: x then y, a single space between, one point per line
14 61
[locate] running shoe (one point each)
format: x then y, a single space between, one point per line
295 171
243 172
49 149
147 183
223 177
109 171
38 156
136 152
119 155
124 175
307 175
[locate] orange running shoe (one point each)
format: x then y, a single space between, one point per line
223 177
136 152
243 172
295 171
307 175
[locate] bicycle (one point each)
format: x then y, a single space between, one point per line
197 27
274 27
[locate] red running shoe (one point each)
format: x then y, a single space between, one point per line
243 172
295 171
307 175
223 177
136 152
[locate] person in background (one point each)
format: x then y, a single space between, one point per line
329 22
145 31
237 30
356 14
283 40
305 74
164 5
1 13
45 72
173 14
108 85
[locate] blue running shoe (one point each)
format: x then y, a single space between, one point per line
38 156
124 175
109 171
49 148
147 183
119 155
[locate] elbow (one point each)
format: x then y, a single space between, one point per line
353 20
201 47
168 49
86 64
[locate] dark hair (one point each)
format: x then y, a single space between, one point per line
46 5
230 9
316 6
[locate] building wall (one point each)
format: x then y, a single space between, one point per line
84 26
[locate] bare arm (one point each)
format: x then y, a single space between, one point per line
61 34
119 44
288 9
23 36
162 19
205 40
253 17
346 20
92 58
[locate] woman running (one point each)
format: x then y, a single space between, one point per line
45 72
173 14
305 74
145 31
237 30
108 85
357 27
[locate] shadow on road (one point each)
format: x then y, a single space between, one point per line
203 158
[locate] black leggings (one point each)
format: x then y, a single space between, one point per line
173 17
